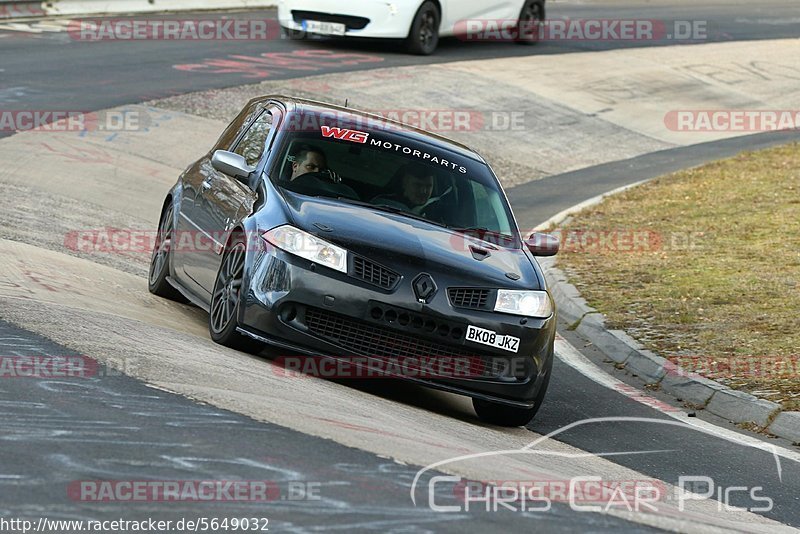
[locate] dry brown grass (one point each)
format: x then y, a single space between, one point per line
717 287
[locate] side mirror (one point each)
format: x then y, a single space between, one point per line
231 164
543 244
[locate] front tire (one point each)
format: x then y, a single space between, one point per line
162 254
424 35
223 317
504 415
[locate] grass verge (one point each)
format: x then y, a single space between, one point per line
703 267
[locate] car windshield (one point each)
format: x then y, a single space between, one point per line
379 168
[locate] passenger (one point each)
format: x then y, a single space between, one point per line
412 185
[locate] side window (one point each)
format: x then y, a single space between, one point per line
251 147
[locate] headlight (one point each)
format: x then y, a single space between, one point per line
305 245
527 303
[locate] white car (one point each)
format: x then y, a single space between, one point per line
419 22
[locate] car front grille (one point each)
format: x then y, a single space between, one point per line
350 22
467 297
414 323
374 273
364 339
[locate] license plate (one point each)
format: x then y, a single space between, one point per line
324 28
493 339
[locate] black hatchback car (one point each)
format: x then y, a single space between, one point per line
334 234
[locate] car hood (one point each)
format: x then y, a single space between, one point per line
411 246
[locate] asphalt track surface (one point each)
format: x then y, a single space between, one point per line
58 431
43 69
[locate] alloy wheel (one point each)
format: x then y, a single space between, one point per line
225 299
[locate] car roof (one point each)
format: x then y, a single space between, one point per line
302 105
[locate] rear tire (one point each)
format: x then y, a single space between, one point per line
529 21
162 255
504 415
424 35
223 316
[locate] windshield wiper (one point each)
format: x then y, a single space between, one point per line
482 232
390 209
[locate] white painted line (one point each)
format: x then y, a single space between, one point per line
53 26
572 357
18 27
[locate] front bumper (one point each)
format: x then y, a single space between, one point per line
390 20
312 310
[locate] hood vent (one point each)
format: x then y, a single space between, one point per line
478 253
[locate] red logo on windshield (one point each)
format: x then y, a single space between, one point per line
344 134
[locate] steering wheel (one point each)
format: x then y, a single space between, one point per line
325 183
328 175
391 203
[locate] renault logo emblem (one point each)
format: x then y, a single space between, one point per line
424 288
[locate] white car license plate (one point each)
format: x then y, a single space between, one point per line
493 339
324 28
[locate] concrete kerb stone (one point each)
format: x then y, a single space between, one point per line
700 392
741 407
787 425
696 392
606 342
645 364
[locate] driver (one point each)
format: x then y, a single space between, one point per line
413 186
309 159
